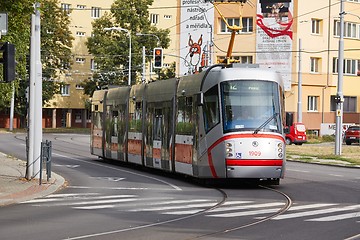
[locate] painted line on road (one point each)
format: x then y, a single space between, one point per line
295 170
336 175
353 237
336 217
316 212
114 188
117 169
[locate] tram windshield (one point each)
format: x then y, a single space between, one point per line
250 105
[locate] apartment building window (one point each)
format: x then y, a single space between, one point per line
154 18
66 7
247 23
80 34
312 105
80 6
314 65
80 60
79 87
92 65
316 26
65 90
351 30
95 12
239 59
351 66
349 104
167 16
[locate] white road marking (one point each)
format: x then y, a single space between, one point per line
336 175
316 212
247 213
296 170
54 199
336 217
234 208
199 205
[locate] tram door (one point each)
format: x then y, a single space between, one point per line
157 138
97 123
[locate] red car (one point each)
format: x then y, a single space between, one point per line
296 133
352 135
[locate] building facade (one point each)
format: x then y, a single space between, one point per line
300 39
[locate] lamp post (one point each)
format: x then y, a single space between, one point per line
339 95
129 34
143 52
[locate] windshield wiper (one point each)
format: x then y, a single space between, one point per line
265 123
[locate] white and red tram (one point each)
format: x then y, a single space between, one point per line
226 122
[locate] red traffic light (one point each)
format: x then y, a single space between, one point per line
158 57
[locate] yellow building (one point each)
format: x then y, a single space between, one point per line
316 26
271 34
68 109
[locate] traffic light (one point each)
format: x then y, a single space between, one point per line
8 61
158 57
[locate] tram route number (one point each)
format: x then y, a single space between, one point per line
255 153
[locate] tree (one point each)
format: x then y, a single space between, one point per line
111 48
167 73
56 42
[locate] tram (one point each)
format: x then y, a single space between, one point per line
223 123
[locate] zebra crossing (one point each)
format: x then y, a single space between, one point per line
312 212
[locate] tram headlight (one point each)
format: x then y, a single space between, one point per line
229 149
280 150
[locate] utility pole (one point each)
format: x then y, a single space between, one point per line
299 105
35 99
143 78
339 95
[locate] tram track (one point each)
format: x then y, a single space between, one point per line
223 199
284 209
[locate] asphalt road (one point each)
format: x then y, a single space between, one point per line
104 200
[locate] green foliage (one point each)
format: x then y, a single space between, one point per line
166 73
111 48
55 35
185 128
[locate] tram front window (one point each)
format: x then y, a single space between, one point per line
250 105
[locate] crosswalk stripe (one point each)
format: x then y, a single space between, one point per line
63 195
94 207
316 212
53 199
336 217
222 209
198 205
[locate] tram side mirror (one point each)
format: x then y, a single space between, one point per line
200 99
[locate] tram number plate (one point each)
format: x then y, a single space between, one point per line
254 153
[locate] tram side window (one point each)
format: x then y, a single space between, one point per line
158 125
211 108
115 116
185 116
135 116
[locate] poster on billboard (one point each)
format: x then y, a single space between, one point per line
274 37
197 20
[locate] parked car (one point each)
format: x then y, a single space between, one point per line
352 135
296 133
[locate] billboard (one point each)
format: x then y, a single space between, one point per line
274 37
197 20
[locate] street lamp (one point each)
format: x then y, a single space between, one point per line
149 34
143 51
128 33
339 94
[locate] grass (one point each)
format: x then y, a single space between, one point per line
325 151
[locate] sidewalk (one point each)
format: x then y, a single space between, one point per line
15 188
